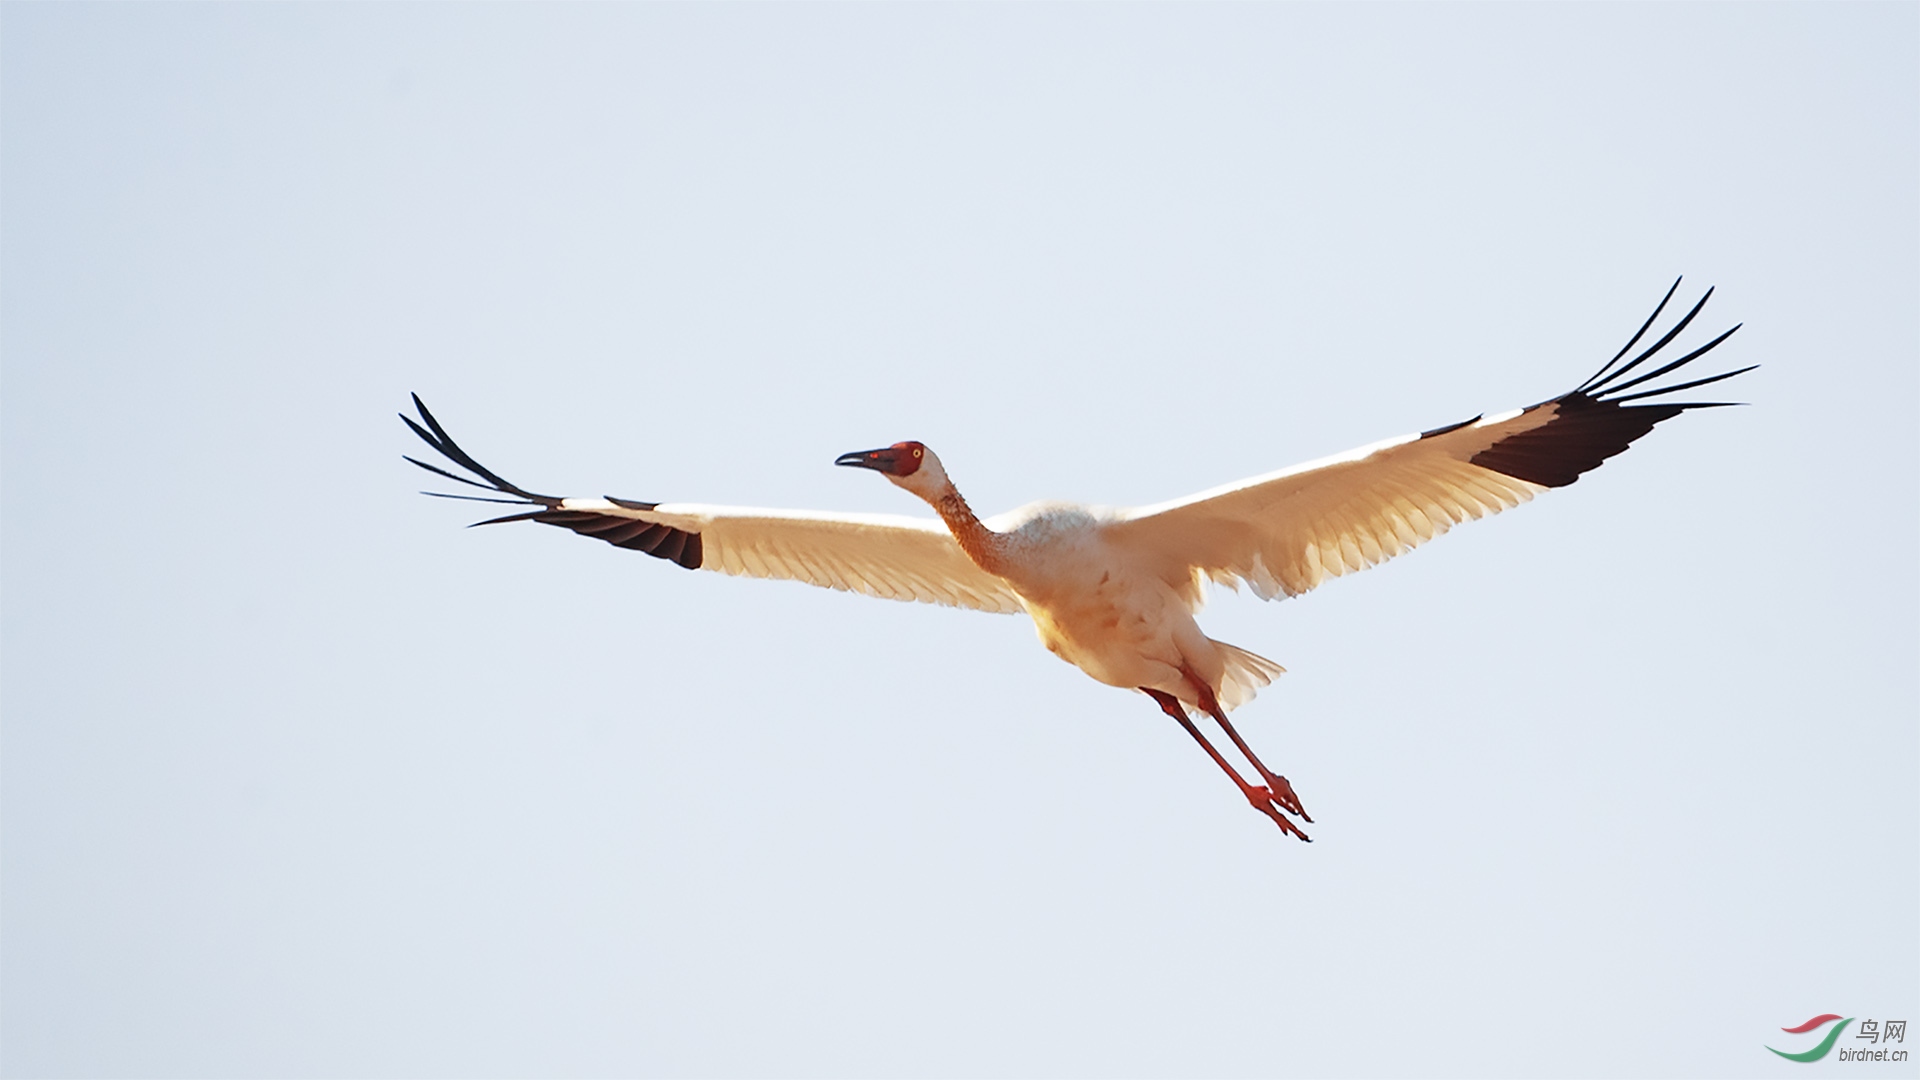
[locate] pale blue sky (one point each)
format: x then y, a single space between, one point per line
302 779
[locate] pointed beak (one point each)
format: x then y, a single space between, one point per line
882 460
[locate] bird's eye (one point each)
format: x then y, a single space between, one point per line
916 453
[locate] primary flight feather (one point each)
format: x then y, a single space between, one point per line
1114 592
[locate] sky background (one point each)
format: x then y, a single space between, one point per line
297 778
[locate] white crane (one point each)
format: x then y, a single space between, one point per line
1114 591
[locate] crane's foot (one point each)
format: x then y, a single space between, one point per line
1264 801
1288 801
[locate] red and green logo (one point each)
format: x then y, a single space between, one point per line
1825 1045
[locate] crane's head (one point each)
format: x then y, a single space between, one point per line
908 464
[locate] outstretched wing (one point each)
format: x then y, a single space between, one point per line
898 558
1286 532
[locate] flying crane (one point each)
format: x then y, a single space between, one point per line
1114 591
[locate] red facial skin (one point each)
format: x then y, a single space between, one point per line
911 455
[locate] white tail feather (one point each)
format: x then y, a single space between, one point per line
1246 673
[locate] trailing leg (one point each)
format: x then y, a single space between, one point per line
1282 791
1261 799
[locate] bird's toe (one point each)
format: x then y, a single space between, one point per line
1283 795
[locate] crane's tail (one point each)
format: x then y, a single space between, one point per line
1246 673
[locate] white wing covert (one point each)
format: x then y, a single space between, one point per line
1286 532
883 555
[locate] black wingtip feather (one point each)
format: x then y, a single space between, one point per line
448 475
693 553
427 415
1659 371
1594 422
1601 387
1688 386
1581 435
653 538
436 436
1637 334
531 515
661 541
480 498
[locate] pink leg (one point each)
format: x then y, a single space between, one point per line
1282 791
1259 798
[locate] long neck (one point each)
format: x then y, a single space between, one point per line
987 549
